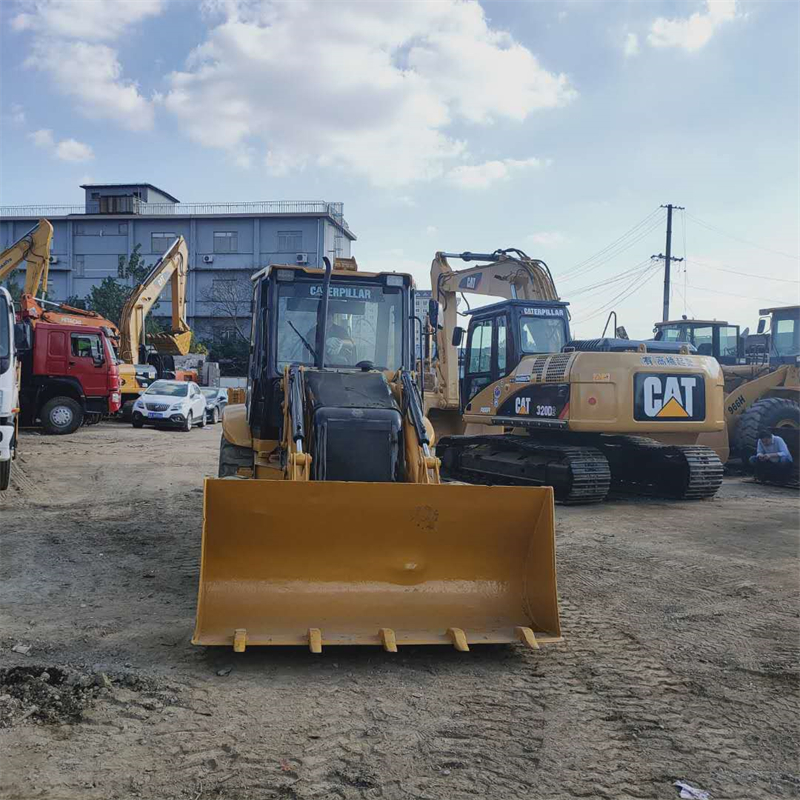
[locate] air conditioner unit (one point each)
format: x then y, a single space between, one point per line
301 258
54 259
208 259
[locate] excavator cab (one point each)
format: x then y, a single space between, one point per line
500 335
329 523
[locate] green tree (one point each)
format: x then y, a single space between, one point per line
108 299
133 266
14 289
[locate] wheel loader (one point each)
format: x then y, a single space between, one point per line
762 380
329 523
536 408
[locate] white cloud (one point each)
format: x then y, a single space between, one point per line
42 138
92 75
692 33
372 88
73 150
480 176
630 46
547 238
88 20
67 36
17 114
65 150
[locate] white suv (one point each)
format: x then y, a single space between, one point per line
176 404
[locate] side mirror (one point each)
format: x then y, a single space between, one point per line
458 335
433 314
23 337
762 323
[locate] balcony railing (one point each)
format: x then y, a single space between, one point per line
334 210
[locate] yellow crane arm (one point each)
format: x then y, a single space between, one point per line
507 276
33 248
173 268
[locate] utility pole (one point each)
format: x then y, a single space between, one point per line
668 259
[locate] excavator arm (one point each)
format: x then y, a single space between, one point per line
510 274
172 268
34 249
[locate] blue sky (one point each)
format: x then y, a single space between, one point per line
555 127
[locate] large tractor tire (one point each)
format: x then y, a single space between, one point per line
231 457
61 415
771 412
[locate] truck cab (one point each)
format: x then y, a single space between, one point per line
501 334
69 377
715 338
777 340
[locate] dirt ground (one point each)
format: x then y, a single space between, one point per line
680 659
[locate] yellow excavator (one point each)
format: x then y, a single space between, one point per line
535 407
137 348
33 248
328 523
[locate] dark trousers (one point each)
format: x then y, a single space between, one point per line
772 471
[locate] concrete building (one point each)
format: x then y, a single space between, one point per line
227 242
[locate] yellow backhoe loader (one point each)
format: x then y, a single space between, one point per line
329 524
171 268
536 408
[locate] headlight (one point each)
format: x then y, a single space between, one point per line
139 404
177 407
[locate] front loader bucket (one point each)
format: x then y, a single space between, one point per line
176 343
324 563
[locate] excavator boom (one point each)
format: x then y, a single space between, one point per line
34 249
172 268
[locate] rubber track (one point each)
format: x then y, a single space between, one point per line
589 468
703 467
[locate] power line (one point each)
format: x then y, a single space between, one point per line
605 253
739 239
640 267
634 286
745 274
745 296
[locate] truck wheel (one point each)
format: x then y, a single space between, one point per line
5 474
771 412
231 457
61 415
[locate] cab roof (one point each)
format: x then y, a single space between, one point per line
517 303
337 273
692 322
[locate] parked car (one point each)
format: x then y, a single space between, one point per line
176 404
216 400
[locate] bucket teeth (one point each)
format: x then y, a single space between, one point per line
388 640
239 640
315 640
527 637
459 639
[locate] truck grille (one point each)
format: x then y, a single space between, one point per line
156 406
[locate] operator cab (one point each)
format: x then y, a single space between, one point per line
710 337
368 328
501 334
778 338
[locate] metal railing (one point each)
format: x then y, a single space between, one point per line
334 210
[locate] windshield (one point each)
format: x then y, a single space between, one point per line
211 394
364 324
541 335
786 335
168 389
5 328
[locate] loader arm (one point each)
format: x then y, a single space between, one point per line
173 268
506 276
34 249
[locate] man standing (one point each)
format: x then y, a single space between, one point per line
772 461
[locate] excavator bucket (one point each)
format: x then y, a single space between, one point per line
389 564
171 344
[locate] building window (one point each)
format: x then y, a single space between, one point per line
290 241
160 242
122 204
123 227
226 242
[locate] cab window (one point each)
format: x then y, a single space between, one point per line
480 347
703 340
85 345
728 341
502 344
785 337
